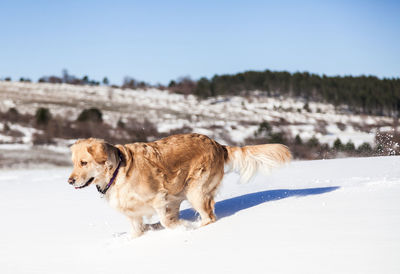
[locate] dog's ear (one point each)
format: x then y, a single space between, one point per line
103 153
98 151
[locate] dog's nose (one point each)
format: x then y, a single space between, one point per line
71 180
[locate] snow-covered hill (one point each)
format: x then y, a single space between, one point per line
329 216
223 118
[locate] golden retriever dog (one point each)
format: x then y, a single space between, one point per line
141 179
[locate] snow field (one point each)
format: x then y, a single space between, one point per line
329 216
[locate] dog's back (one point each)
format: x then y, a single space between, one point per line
178 161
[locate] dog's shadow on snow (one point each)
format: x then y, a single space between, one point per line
231 206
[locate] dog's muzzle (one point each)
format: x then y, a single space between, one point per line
71 181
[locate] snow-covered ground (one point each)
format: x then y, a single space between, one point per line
329 216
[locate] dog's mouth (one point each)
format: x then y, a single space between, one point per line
86 184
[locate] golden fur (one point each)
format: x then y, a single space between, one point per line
156 177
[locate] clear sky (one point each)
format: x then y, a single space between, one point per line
157 41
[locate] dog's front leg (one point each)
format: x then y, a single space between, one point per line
137 226
167 210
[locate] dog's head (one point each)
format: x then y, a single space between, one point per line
93 159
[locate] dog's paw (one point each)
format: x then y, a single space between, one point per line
187 225
136 234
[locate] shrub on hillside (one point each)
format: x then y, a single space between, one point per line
185 85
313 142
264 129
12 115
90 115
298 140
349 146
365 149
338 145
42 116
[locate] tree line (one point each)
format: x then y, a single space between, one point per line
360 94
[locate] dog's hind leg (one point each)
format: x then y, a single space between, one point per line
201 196
204 205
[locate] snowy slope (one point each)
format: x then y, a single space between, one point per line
332 216
227 118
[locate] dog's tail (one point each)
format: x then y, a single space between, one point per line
249 160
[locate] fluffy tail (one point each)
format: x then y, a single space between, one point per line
249 160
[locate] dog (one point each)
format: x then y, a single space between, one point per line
141 179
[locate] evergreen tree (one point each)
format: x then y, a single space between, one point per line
338 145
42 116
349 146
297 140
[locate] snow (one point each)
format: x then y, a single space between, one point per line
328 216
15 146
228 118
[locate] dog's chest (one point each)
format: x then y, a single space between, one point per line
128 203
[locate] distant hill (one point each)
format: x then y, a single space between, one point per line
362 94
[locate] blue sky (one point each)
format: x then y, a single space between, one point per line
157 41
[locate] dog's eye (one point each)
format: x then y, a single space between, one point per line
83 163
